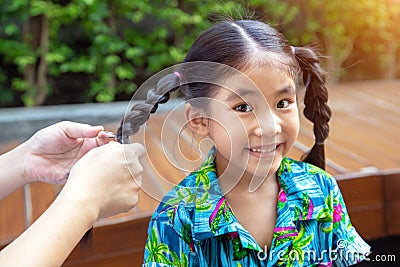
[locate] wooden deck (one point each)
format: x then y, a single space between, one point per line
362 153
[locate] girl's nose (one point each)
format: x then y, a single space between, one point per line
269 128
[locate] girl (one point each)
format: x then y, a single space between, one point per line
247 204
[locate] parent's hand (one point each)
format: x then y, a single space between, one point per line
52 151
106 181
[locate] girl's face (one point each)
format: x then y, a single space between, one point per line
254 122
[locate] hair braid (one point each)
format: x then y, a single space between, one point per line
140 112
138 115
316 102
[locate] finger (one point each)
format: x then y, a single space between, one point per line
107 135
102 141
79 130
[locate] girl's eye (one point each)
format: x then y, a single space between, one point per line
243 108
283 103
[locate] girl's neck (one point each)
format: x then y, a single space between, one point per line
238 181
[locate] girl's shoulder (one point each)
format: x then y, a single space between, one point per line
292 165
182 197
180 193
179 199
303 172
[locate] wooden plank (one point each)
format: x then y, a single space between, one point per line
392 207
340 155
375 88
366 116
361 140
376 94
364 198
370 223
114 245
12 208
42 195
12 217
363 191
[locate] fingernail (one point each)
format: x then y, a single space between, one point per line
107 134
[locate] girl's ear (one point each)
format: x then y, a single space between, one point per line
197 122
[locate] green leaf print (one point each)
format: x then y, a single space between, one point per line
238 251
202 203
187 233
325 214
307 205
295 252
177 261
284 236
202 176
221 209
171 214
297 213
184 195
159 252
305 211
281 205
285 164
328 229
215 222
315 170
302 241
208 161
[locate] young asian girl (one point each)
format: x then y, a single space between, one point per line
248 204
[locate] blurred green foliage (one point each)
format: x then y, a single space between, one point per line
117 44
342 25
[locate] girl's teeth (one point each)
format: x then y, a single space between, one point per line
264 150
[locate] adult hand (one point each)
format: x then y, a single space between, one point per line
107 179
104 182
52 151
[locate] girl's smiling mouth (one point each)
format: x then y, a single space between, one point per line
265 151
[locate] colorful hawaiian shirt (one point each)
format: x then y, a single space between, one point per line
195 226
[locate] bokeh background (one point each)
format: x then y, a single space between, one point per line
82 60
74 51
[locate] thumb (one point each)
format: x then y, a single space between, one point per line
75 130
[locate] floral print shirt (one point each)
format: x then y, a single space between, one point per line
195 226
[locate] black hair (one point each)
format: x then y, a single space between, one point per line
239 44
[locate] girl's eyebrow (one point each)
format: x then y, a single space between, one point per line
288 90
242 92
239 94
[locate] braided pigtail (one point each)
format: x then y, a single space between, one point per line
316 102
140 112
138 115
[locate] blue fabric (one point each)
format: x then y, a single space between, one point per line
195 226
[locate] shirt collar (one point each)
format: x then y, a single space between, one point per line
213 216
